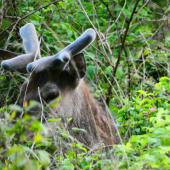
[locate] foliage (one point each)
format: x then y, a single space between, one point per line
149 142
20 151
124 68
145 127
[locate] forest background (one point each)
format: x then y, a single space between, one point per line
127 70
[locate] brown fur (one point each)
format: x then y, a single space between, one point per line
61 76
78 104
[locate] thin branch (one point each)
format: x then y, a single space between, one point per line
109 92
29 15
105 54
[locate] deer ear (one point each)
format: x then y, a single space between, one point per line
5 55
80 64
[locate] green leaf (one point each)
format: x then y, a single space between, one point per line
146 51
163 79
108 70
78 129
15 107
44 157
54 120
91 70
113 109
91 54
142 92
119 73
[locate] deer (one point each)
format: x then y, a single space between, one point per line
62 76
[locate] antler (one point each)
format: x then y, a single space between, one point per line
59 60
31 45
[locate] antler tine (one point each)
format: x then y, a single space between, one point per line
80 43
59 60
31 45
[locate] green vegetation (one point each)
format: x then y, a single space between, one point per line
127 69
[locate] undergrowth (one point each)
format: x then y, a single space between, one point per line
145 132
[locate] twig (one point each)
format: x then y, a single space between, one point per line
105 54
29 15
109 92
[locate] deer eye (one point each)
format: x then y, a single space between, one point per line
52 96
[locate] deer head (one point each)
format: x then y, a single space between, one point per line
61 75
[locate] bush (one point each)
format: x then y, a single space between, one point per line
147 128
145 132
